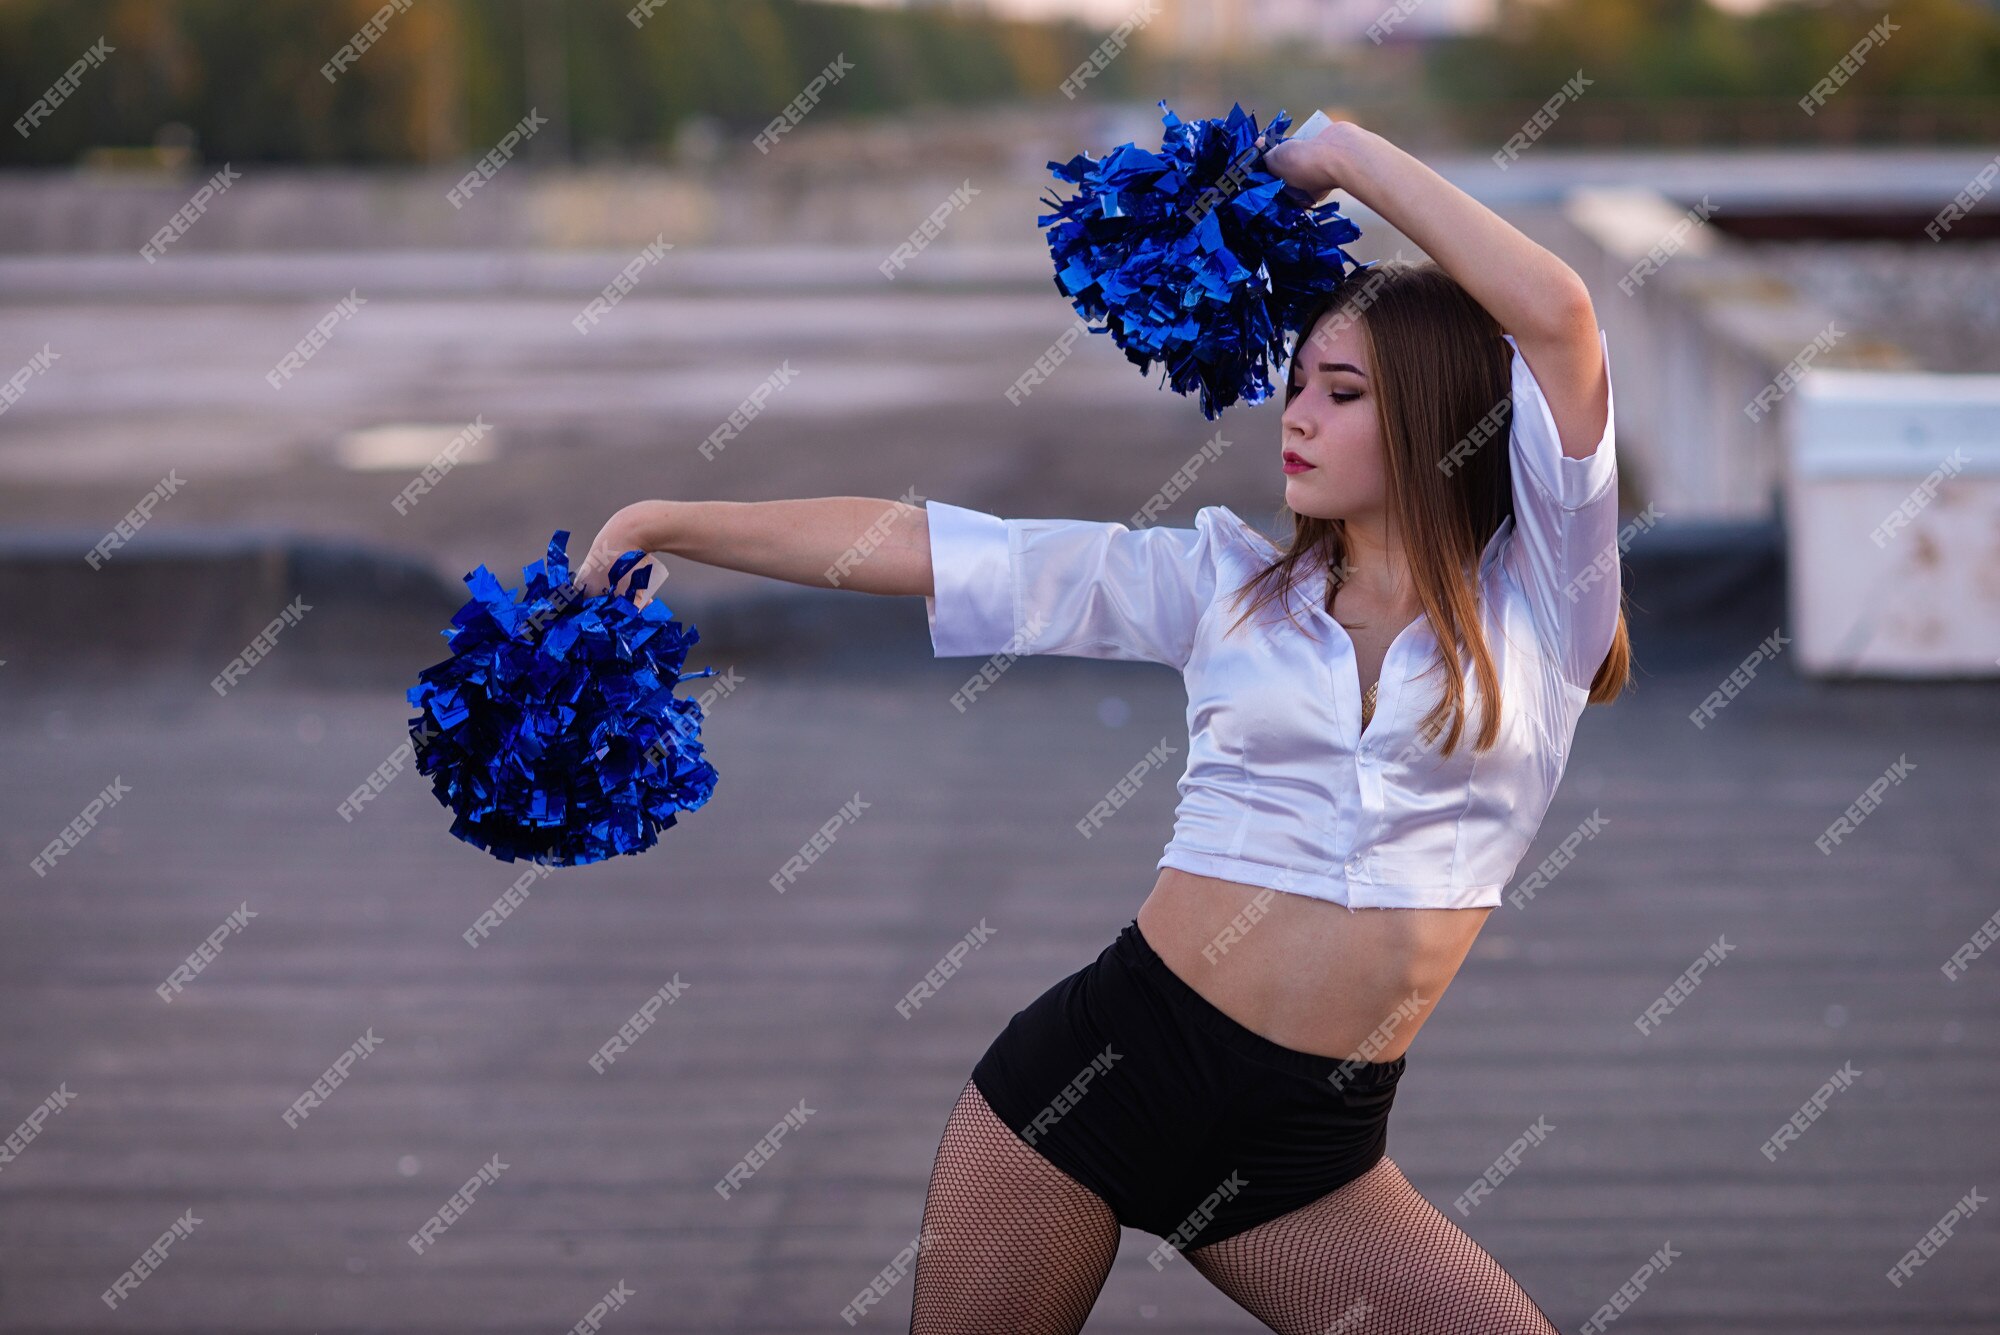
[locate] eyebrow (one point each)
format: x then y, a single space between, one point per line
1343 366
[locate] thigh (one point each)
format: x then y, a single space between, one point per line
1010 1243
1372 1257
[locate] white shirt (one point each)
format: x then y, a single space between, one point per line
1282 787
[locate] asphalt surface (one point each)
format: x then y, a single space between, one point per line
178 1107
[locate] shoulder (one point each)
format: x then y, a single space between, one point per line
1229 532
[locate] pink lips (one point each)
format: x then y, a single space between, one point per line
1294 464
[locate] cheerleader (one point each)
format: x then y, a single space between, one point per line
1355 800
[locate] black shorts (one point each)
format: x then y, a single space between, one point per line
1190 1126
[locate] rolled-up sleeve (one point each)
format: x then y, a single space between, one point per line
1075 587
1565 549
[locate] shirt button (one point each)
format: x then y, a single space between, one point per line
1354 863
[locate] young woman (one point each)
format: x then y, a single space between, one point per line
1354 802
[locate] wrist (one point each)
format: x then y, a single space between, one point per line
648 525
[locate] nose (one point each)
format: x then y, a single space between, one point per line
1296 423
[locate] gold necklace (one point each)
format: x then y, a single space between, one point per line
1367 696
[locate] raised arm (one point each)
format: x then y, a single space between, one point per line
840 542
1535 297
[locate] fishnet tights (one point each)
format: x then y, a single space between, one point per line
1372 1257
1010 1243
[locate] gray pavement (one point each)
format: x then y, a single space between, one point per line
178 1107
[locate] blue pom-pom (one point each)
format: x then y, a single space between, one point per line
552 731
1196 256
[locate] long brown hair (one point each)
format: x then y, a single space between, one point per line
1443 379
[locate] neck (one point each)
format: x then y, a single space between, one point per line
1377 567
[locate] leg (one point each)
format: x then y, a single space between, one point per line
1373 1258
1010 1243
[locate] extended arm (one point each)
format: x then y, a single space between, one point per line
844 542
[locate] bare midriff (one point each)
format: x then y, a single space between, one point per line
1307 973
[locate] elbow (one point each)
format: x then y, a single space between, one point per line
1564 308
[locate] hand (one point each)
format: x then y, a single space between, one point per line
1308 166
620 534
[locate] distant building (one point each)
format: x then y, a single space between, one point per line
1235 25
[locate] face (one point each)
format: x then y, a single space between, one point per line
1330 424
